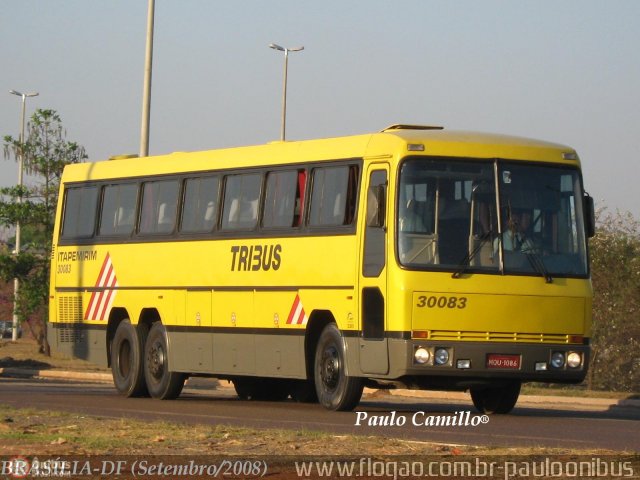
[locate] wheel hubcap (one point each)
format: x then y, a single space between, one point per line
156 360
330 364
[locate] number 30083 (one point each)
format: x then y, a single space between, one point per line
434 301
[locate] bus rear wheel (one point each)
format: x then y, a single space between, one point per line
498 399
126 352
336 390
161 382
257 388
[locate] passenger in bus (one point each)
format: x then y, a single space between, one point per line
410 220
124 218
209 216
515 237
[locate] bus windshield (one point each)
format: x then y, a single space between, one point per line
490 217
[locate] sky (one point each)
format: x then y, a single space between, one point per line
565 71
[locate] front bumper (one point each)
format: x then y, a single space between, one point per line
495 360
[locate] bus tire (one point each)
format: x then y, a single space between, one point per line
303 391
496 400
161 382
245 388
127 349
257 388
336 390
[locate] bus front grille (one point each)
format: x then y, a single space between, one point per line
515 337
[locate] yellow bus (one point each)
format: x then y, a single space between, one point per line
414 257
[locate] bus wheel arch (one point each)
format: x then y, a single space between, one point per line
148 316
304 391
318 320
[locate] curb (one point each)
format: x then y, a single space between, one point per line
56 374
535 400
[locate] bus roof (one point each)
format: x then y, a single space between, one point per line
396 142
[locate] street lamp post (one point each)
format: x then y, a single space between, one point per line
16 282
284 87
146 91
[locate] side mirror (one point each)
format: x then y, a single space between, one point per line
376 201
589 216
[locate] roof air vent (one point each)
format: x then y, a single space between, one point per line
404 126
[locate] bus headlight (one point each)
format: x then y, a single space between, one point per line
557 359
441 356
574 360
421 355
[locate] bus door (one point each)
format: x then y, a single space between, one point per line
374 356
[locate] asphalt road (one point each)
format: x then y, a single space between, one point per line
579 427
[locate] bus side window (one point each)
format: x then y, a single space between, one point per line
241 196
333 196
79 212
119 204
200 205
281 200
159 206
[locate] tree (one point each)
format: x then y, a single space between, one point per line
45 153
615 267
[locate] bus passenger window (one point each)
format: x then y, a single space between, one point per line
281 200
333 196
119 204
79 212
241 197
159 207
200 206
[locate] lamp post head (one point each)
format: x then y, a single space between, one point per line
285 49
24 95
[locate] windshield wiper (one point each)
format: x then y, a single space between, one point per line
466 261
538 265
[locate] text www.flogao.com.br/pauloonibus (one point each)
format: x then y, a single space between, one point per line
592 467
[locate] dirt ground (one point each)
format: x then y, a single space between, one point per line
24 354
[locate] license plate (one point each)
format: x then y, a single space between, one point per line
496 360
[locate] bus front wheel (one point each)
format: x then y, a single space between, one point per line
336 390
498 399
127 349
161 382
